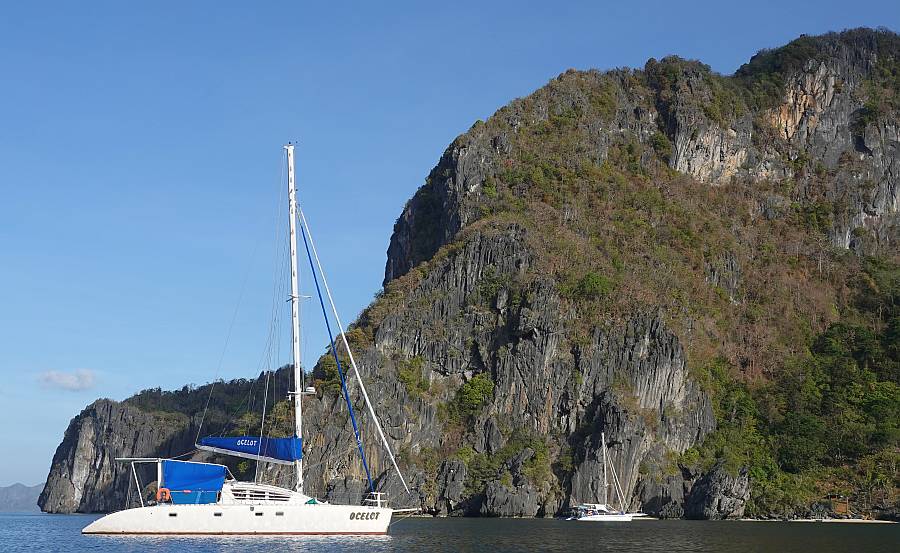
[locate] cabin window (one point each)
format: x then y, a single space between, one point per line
258 514
173 514
279 513
217 514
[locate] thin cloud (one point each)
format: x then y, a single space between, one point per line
74 381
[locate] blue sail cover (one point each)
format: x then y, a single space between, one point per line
190 482
274 450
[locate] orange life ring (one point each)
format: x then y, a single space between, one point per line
163 494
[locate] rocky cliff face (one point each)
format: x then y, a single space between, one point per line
826 122
718 495
85 477
629 381
569 268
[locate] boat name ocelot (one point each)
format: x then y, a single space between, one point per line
246 442
364 516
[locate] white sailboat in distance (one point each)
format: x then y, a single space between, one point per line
604 512
205 499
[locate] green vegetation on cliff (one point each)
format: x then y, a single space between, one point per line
794 338
470 398
828 423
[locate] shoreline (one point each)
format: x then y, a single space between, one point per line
650 518
647 518
825 520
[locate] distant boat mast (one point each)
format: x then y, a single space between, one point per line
605 483
618 486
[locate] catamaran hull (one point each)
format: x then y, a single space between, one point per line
605 518
218 520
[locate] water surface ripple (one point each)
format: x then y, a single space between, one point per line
39 532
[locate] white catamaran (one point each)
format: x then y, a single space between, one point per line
604 512
204 498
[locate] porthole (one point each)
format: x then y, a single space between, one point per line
279 513
217 514
173 514
258 514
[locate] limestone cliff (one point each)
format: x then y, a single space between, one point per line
570 267
84 476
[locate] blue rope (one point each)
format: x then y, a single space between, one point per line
338 361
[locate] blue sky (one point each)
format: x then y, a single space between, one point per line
139 162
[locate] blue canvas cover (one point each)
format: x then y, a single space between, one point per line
187 475
190 482
275 450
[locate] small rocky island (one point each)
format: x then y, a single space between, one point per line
19 498
703 267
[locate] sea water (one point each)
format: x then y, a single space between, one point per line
40 532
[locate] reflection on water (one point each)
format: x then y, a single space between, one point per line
62 533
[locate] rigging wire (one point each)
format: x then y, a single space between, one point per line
236 310
280 284
271 351
618 490
333 458
401 519
359 445
362 387
262 423
224 349
270 359
191 452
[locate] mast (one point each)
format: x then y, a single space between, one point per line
295 315
605 483
616 483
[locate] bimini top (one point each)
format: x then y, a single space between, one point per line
187 475
274 450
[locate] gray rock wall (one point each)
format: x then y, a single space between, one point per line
84 476
817 143
718 495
